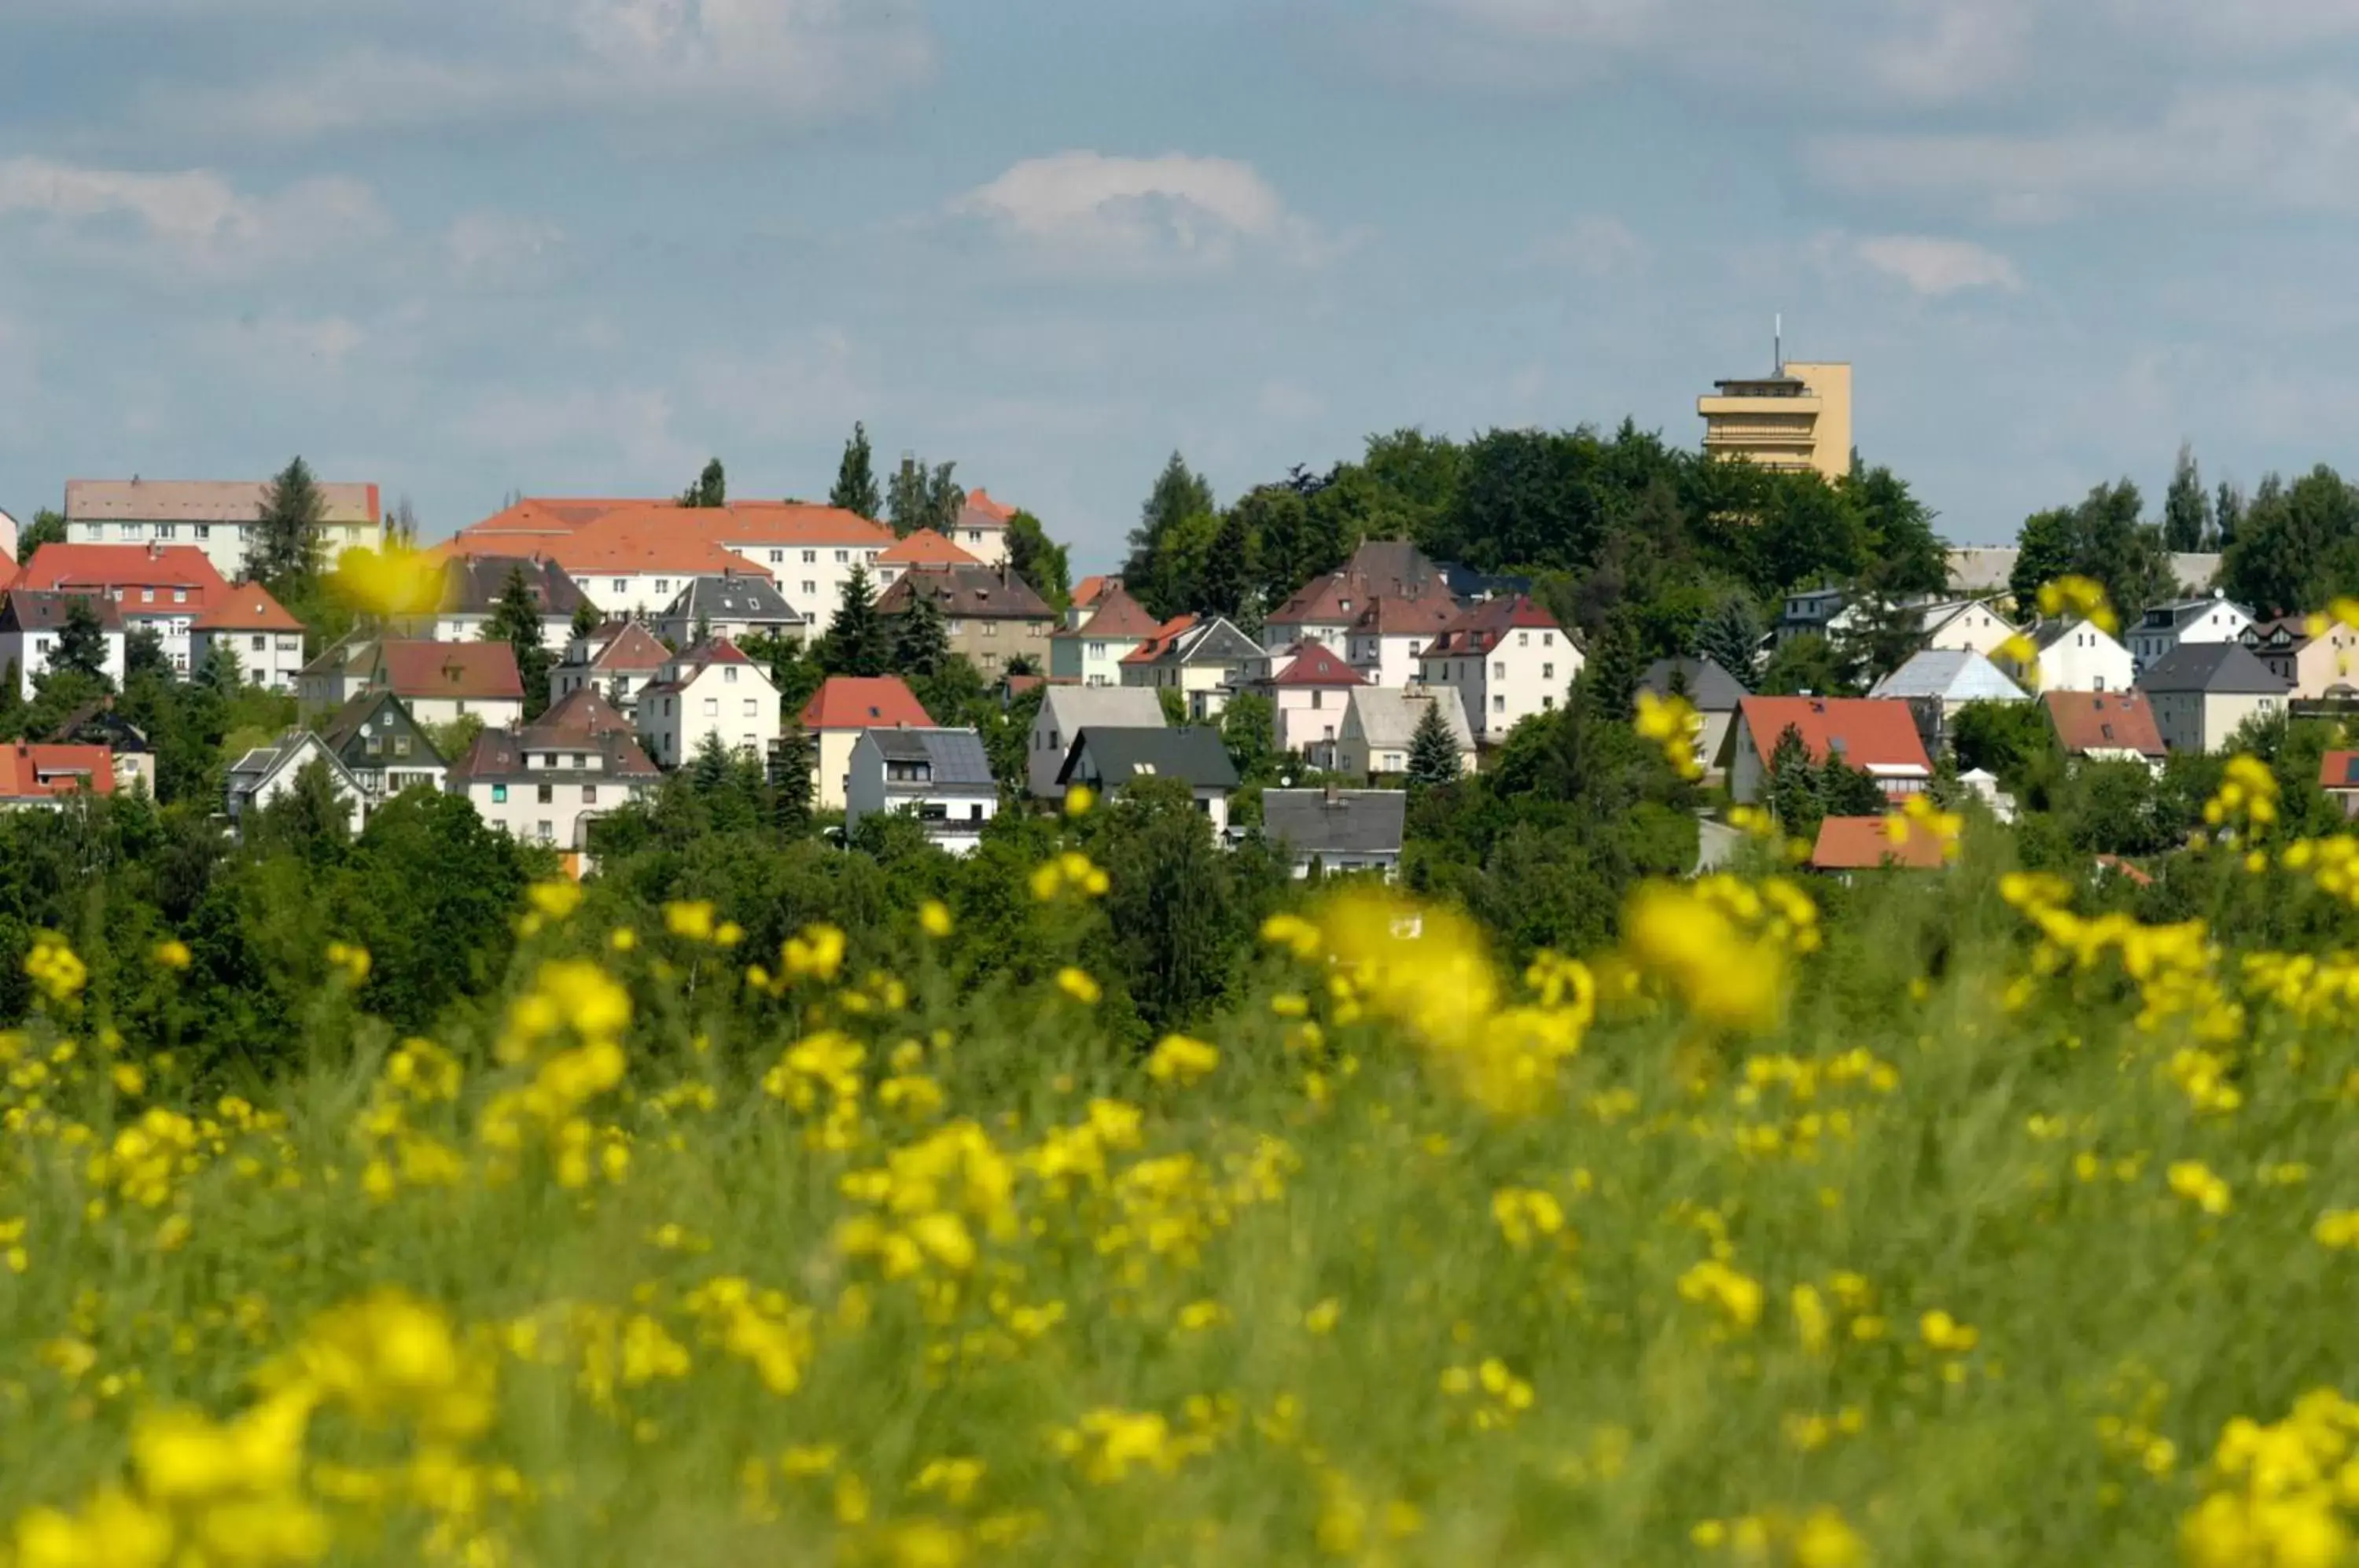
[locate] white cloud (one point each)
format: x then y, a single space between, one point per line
1937 266
481 244
669 67
1086 211
2294 147
196 214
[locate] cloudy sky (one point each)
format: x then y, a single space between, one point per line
576 245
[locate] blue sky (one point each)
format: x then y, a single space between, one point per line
576 245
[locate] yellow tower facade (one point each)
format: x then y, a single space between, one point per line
1796 419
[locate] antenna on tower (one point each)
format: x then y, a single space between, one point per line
1778 350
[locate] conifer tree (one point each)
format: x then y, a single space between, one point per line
1432 749
856 477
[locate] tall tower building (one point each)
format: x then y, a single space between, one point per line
1795 419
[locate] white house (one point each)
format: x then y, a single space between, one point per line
1204 661
474 585
981 527
618 660
2076 655
1384 643
443 683
1091 654
1508 659
2168 628
1380 724
711 690
1338 831
844 708
268 772
159 588
262 635
1109 760
1325 609
549 781
1966 625
31 622
940 777
734 607
810 551
217 517
1065 712
1310 689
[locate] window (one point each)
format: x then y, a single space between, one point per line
753 707
499 794
778 556
134 531
401 745
1498 669
2101 683
180 595
204 531
1097 650
1498 704
147 595
1548 702
1547 671
1547 639
842 556
547 794
729 673
589 794
1523 639
621 586
1318 699
375 746
991 628
663 585
579 760
809 587
258 643
549 832
712 707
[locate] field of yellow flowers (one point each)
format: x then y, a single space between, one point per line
1754 1241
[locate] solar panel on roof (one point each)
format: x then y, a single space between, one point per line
2351 770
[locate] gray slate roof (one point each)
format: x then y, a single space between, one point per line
1355 822
1710 687
1389 717
732 599
2221 667
957 757
1213 642
1951 675
473 584
1195 756
1072 708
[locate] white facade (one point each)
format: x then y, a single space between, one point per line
645 594
1387 659
728 696
432 708
1309 720
1973 626
29 651
2167 626
170 613
225 544
553 798
1527 671
265 775
451 626
266 658
811 575
953 815
2084 657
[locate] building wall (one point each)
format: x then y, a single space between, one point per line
1309 720
1976 629
1204 688
2086 659
834 760
989 642
29 652
867 792
1809 432
1386 660
1283 635
1091 661
283 780
224 544
810 576
1529 672
987 545
2222 622
2224 712
273 664
733 701
2326 663
497 712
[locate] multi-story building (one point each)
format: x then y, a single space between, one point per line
1325 609
991 616
1202 660
268 772
2203 692
31 623
262 635
1092 653
844 708
2076 655
443 683
618 660
737 606
474 585
161 588
1310 690
1065 712
981 528
384 748
923 548
2318 666
711 692
216 517
1507 658
2165 628
939 778
1385 642
547 782
1796 419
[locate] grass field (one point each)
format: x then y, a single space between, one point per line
1963 1231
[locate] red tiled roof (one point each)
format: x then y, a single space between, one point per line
1165 635
979 500
1864 732
633 648
113 566
580 714
479 671
1090 589
1118 616
927 547
1019 684
862 702
1312 663
1378 568
44 772
2339 770
640 542
548 524
1387 615
1864 844
247 607
2115 862
2104 721
1479 630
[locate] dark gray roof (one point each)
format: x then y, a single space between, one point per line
1195 756
1214 642
473 584
1352 822
345 731
2211 666
957 757
32 610
1711 688
732 599
1466 583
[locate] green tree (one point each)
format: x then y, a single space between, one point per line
1909 555
1039 561
515 621
48 527
311 820
2295 545
2186 506
1179 927
2227 516
2007 738
921 498
1730 635
711 488
1885 633
1179 492
288 543
143 654
856 477
2105 538
2044 551
1433 756
858 640
1805 665
794 774
921 643
82 644
1229 569
1249 731
586 619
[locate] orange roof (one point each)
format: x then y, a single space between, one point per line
1118 616
111 566
927 547
1089 589
1865 843
2104 721
979 499
45 772
479 671
788 522
247 607
1165 635
1484 625
642 542
864 702
1864 732
1310 663
550 520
